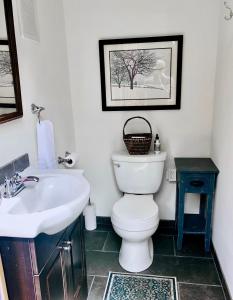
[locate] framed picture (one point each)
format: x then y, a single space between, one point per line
141 73
7 94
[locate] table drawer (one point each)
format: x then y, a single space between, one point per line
196 183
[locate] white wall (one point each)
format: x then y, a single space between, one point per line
222 149
45 81
184 132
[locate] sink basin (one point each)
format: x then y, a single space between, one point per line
48 206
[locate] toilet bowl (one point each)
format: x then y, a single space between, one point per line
135 216
135 219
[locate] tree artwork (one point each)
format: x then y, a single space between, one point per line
126 65
140 73
5 63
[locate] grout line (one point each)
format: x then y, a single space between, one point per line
185 256
105 241
102 251
200 284
91 285
178 290
139 273
191 256
96 275
96 230
164 234
156 254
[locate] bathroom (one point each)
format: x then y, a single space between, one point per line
60 70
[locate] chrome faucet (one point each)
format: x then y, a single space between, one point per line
15 184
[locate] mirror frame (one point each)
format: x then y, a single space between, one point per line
14 63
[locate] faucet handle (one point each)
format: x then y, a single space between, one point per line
17 178
8 187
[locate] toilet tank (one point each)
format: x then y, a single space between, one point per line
138 174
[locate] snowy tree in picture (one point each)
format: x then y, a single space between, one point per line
5 69
136 74
118 71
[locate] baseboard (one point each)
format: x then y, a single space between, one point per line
104 221
165 226
222 279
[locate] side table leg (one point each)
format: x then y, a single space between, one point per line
208 222
181 197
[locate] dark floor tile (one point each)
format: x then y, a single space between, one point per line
193 246
166 231
186 269
95 240
200 292
98 288
100 263
89 282
163 244
113 242
104 227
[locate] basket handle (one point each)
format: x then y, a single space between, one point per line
137 117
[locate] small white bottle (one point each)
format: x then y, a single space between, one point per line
157 144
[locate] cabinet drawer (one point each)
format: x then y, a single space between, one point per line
196 183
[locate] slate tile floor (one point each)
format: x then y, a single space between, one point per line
196 272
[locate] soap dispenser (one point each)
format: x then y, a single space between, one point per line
157 144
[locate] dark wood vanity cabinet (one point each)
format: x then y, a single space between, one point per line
48 267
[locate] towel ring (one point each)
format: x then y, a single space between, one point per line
37 110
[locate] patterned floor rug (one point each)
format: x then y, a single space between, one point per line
121 286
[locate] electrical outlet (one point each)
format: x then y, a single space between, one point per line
172 174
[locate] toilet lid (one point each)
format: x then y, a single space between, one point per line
135 212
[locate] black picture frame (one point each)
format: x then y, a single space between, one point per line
5 54
168 47
11 43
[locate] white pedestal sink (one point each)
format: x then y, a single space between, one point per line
48 206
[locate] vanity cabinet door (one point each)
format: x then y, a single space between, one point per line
55 279
76 239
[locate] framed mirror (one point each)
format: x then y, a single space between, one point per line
10 94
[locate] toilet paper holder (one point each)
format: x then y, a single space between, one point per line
64 160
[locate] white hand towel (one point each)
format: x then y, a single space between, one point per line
45 145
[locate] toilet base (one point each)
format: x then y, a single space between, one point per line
136 256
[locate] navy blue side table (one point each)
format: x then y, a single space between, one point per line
195 175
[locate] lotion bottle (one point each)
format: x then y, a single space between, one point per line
157 144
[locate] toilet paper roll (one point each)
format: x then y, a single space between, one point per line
90 217
72 160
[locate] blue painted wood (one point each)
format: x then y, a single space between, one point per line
180 216
195 176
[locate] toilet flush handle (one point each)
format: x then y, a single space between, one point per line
117 164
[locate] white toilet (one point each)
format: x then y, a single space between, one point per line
135 216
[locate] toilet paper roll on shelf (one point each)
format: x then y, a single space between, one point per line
72 160
90 217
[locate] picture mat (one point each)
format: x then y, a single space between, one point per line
7 94
173 45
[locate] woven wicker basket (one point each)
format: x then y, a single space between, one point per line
137 143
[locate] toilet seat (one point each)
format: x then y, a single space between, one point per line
135 213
